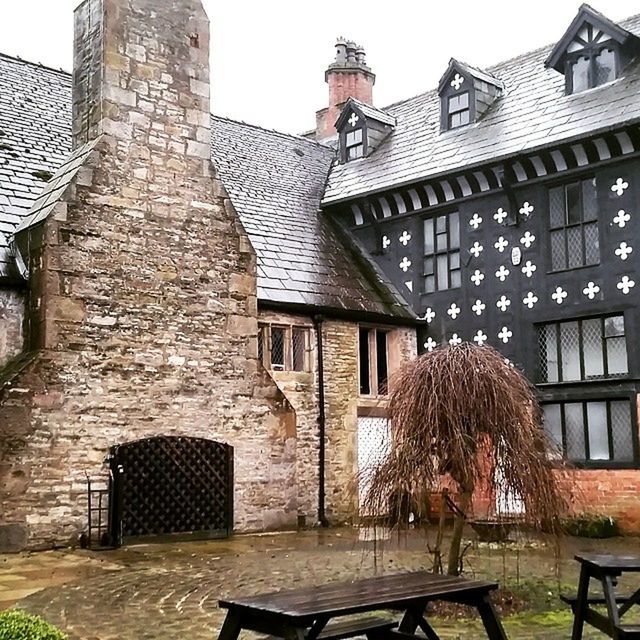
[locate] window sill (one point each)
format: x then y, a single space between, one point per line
552 272
603 465
596 381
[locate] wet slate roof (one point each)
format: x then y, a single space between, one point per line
532 112
275 182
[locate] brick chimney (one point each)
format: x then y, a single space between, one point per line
348 76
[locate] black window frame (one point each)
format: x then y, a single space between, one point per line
346 129
451 113
372 378
587 462
290 352
567 225
540 367
450 252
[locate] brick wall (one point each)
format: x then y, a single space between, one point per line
11 321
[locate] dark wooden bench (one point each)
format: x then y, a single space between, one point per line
624 630
371 626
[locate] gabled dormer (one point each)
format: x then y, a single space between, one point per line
593 51
465 94
361 128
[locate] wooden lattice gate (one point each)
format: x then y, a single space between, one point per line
171 487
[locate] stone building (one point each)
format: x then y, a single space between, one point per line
200 312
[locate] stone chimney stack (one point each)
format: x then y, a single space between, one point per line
348 76
141 70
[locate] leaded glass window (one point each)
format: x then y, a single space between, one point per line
284 348
573 224
442 252
591 65
595 430
458 110
586 349
354 145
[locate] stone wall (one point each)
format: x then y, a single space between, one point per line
11 324
143 295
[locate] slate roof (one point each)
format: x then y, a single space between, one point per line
532 112
371 112
35 137
275 182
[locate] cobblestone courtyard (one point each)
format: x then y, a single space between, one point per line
171 591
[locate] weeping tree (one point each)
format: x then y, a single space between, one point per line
464 417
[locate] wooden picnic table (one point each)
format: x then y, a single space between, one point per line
311 613
606 569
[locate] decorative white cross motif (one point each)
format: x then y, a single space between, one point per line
622 218
454 310
591 290
480 338
409 285
404 238
457 81
500 215
626 284
455 340
478 307
429 315
502 273
559 295
527 239
405 264
619 186
526 209
501 244
505 334
353 120
623 251
503 304
528 268
475 221
477 277
386 241
476 249
530 299
430 344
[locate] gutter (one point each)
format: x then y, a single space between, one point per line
322 518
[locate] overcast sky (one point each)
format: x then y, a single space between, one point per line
269 57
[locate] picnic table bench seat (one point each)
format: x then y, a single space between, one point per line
371 626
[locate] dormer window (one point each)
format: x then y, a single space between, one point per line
459 110
354 144
592 52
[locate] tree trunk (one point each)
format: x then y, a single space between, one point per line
453 565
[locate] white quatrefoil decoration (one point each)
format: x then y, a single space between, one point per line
477 277
623 251
429 315
500 215
454 310
591 290
480 338
505 334
619 186
501 244
528 268
502 273
455 340
503 304
475 221
530 299
527 239
626 284
353 120
526 209
622 218
478 307
385 242
405 237
430 344
457 81
559 295
476 249
405 264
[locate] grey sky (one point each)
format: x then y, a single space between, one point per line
268 58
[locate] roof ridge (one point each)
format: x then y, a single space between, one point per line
295 136
34 64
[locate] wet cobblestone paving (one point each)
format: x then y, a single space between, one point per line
164 592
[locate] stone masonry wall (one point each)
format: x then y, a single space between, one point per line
11 324
143 290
